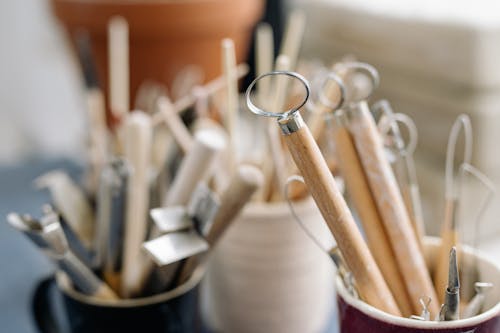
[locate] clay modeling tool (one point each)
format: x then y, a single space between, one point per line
450 310
319 180
383 185
49 236
476 304
138 136
118 61
449 229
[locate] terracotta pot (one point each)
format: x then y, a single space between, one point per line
165 35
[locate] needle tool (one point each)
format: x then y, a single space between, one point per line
362 80
319 180
450 310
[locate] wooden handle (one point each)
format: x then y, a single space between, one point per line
118 62
195 166
322 186
242 186
138 137
175 124
359 192
264 59
449 238
231 105
391 208
292 37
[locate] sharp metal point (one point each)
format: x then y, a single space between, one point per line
453 278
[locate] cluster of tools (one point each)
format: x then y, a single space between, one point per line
144 220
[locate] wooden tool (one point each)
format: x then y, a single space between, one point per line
118 60
245 181
362 198
388 198
449 232
196 166
138 137
292 37
231 103
172 119
322 186
264 59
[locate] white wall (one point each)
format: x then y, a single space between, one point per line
41 104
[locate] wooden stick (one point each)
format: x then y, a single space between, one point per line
292 38
175 124
359 191
138 137
210 88
264 59
391 208
196 166
231 105
319 180
246 180
118 63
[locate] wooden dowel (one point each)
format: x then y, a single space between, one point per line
360 194
391 207
246 180
196 166
118 64
179 130
292 37
264 59
210 88
138 137
319 180
231 102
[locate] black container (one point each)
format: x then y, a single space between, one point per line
58 308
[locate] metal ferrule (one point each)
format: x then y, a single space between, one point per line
291 124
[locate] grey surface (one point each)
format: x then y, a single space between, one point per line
22 265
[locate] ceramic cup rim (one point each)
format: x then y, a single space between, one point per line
402 322
65 286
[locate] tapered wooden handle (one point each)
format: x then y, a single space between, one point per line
138 137
391 208
360 194
195 166
172 119
319 180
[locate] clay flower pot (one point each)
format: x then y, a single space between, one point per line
164 35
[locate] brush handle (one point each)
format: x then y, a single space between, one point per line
391 207
196 166
138 139
321 184
360 194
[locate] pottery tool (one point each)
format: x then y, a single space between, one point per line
332 252
404 164
196 166
138 135
48 235
209 89
110 219
470 226
243 184
450 310
383 185
279 93
185 80
147 96
476 304
292 37
358 189
449 229
319 180
96 111
118 61
425 315
264 59
231 97
172 119
71 203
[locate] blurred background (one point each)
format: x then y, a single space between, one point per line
437 59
